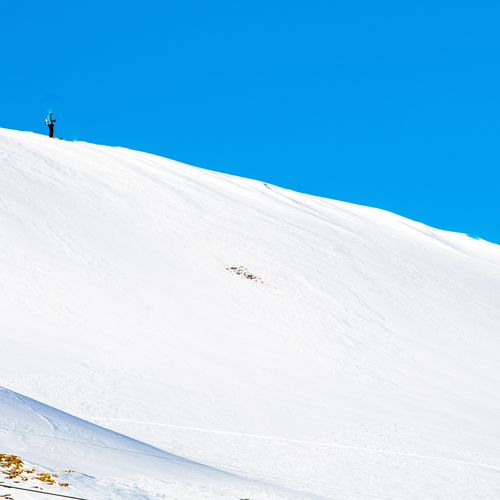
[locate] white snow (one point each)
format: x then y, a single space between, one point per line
363 363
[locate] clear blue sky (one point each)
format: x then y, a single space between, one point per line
391 104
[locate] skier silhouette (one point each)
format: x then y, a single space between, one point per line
50 122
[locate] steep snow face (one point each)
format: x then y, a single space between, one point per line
116 467
362 360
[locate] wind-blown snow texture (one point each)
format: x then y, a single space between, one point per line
364 363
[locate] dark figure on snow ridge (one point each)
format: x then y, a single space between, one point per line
50 122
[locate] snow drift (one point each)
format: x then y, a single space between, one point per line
332 349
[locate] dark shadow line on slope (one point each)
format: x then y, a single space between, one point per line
42 492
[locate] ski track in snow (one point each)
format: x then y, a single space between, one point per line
333 445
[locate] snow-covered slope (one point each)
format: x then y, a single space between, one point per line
363 363
115 466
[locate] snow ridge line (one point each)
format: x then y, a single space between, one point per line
333 445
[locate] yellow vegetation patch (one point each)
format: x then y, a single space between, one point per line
12 467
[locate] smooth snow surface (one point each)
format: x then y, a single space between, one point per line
363 363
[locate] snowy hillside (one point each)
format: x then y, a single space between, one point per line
350 353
